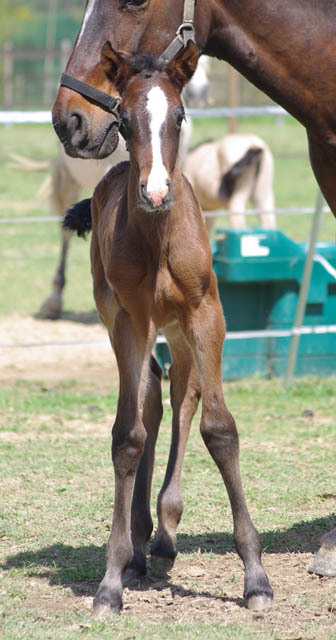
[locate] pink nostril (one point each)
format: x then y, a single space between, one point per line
157 197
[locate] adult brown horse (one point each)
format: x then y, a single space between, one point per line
287 49
145 279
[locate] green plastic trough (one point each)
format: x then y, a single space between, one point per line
259 274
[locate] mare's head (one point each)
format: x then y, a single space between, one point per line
85 129
151 114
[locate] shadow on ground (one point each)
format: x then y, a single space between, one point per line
81 568
81 317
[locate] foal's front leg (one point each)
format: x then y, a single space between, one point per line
205 334
128 441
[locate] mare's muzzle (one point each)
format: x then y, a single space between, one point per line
73 128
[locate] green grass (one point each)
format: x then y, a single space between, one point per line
55 511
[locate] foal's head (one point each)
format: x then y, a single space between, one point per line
151 114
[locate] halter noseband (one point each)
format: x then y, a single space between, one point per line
100 97
184 33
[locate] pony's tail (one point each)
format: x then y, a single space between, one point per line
231 177
78 218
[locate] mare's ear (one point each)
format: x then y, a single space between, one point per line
115 65
183 65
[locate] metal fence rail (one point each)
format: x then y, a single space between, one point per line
43 117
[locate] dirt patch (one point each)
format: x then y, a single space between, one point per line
203 589
75 347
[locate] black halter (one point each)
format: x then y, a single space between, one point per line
184 33
100 97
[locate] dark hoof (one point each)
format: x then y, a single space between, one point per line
105 603
50 310
161 565
324 563
259 603
132 576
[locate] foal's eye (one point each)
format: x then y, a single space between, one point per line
125 128
179 120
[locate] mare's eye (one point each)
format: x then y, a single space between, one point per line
132 4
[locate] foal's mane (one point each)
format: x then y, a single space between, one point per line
146 63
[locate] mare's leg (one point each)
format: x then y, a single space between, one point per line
237 204
141 520
132 348
52 307
64 193
324 562
262 191
205 332
185 394
323 161
209 223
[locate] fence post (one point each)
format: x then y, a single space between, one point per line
304 289
233 97
50 53
65 53
8 75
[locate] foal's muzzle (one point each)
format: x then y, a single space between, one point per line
157 201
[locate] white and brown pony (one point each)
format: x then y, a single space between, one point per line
152 270
231 172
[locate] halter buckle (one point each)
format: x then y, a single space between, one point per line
186 32
115 108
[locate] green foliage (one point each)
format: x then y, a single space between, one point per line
14 14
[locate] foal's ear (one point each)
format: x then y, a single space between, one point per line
115 65
183 65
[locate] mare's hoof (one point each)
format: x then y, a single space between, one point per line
161 565
132 576
105 603
324 562
50 310
259 603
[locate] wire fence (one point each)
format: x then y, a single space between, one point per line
40 117
44 117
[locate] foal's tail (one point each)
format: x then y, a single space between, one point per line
230 178
78 218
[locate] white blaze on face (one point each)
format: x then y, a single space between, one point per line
88 12
157 107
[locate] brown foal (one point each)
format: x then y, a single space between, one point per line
152 269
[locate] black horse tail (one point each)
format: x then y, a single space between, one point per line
230 178
78 218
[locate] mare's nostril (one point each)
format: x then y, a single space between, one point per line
73 124
77 129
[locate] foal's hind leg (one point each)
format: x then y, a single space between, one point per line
185 394
219 433
141 521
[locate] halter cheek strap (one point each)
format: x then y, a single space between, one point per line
184 33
